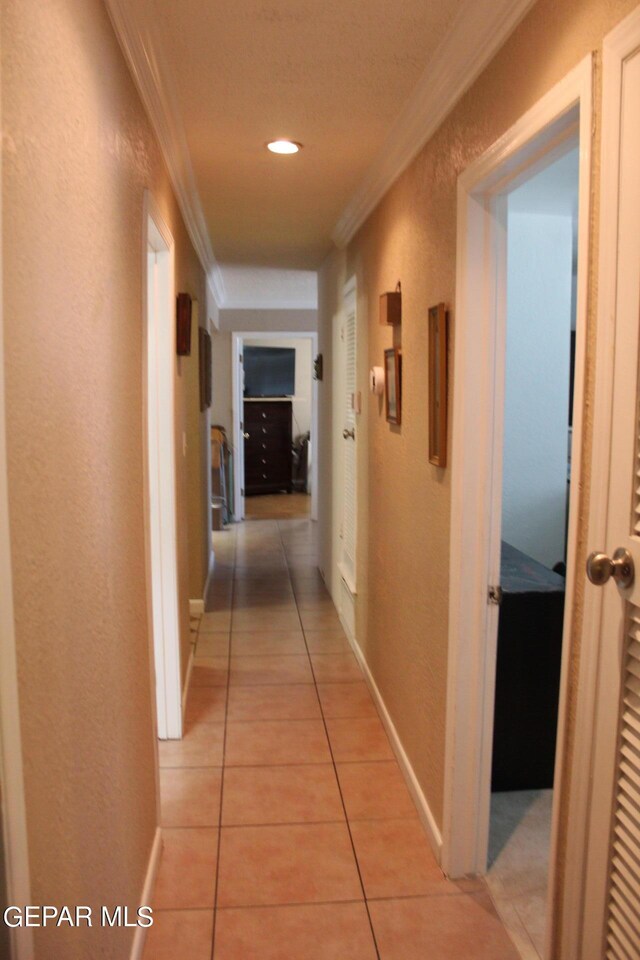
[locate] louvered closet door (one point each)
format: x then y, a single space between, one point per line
620 696
349 441
623 895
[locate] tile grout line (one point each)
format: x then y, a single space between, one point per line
320 903
293 763
335 773
267 824
297 763
224 749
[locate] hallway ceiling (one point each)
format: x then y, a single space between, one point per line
362 84
331 74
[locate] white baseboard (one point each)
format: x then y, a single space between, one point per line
424 811
212 559
196 608
187 681
140 935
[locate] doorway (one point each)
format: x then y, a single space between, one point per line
540 330
554 133
159 383
275 425
346 420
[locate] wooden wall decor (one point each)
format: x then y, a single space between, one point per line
438 385
204 345
393 385
391 307
183 325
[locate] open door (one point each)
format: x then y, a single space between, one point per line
612 903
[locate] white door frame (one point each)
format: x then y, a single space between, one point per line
159 359
237 343
13 814
604 687
349 577
236 419
477 466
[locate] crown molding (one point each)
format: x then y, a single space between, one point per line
267 304
142 49
216 282
476 35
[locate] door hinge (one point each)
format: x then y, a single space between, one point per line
494 595
242 491
241 358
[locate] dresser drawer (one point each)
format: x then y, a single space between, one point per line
276 468
264 459
264 432
267 413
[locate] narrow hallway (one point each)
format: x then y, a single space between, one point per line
288 829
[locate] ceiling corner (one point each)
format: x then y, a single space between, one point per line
478 32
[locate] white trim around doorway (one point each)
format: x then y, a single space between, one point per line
566 111
237 339
159 358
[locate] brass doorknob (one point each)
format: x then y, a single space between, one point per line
601 567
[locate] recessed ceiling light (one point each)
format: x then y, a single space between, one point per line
284 146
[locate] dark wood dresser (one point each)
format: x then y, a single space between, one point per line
268 463
527 674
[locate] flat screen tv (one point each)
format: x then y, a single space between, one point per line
269 371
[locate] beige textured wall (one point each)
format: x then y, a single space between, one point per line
191 480
197 464
269 318
221 386
402 611
78 154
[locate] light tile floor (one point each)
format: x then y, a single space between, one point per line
289 833
278 506
517 877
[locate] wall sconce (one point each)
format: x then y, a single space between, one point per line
376 381
391 307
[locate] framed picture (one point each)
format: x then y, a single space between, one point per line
204 344
183 325
393 385
438 336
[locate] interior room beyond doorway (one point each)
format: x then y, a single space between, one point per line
539 365
277 415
